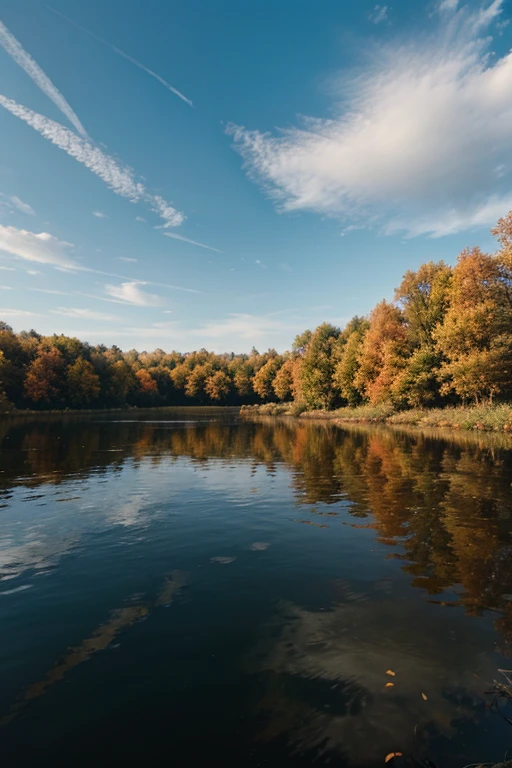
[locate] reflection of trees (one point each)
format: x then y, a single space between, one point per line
446 503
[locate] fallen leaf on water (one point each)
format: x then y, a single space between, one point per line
390 672
392 755
390 685
424 697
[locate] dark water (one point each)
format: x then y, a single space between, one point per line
182 588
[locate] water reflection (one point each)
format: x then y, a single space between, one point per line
102 637
446 503
268 514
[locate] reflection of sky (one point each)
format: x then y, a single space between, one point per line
325 676
37 530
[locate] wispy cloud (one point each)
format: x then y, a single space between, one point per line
379 14
48 290
99 215
22 206
85 314
192 242
13 202
32 272
33 70
140 218
127 259
253 328
125 56
420 142
15 313
8 269
41 248
44 248
5 288
448 5
120 179
130 293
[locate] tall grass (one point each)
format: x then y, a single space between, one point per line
490 418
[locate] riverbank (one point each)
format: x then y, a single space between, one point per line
487 418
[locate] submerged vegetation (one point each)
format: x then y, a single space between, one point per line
445 341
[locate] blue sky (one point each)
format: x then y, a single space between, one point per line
329 147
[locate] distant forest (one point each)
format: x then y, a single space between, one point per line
445 339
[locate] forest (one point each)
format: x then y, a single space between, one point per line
446 339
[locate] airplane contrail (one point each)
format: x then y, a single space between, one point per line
34 71
124 55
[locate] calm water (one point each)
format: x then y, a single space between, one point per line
182 588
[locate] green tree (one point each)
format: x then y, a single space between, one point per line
346 369
318 362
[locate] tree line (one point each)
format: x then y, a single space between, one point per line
445 339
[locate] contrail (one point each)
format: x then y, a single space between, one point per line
192 242
119 179
33 70
124 55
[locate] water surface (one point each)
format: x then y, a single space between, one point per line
181 587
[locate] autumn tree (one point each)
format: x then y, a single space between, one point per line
283 383
147 391
218 386
476 336
82 383
382 355
264 379
44 381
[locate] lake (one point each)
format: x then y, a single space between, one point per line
182 587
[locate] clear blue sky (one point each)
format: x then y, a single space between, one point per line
330 146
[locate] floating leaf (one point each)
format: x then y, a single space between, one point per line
424 697
392 755
390 672
390 685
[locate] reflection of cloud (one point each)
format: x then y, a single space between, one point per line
38 553
326 676
129 514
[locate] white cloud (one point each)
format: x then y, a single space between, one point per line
167 212
251 328
42 248
99 215
120 179
379 14
8 269
192 242
127 258
448 5
127 57
5 288
85 314
33 70
21 206
47 290
421 143
130 293
15 313
32 272
140 218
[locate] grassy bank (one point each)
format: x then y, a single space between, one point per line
490 418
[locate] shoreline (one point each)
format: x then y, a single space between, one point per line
486 418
